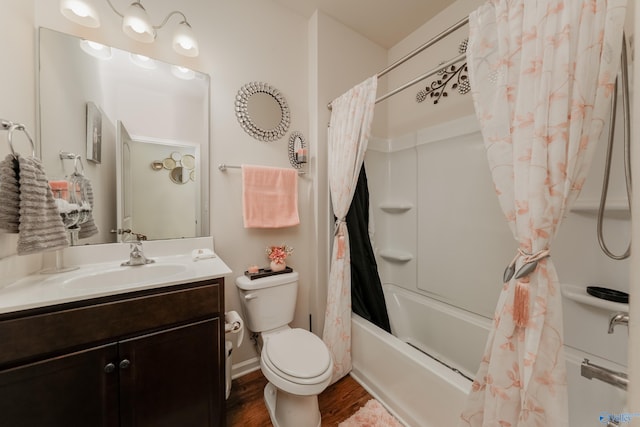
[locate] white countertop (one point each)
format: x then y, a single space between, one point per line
173 265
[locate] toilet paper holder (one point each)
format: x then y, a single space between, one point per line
233 324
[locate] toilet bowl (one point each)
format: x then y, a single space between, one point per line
296 362
298 367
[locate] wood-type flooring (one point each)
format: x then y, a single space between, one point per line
246 407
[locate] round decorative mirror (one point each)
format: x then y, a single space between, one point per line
180 175
262 111
181 167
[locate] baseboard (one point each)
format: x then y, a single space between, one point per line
244 368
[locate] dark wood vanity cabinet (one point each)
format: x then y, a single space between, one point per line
153 358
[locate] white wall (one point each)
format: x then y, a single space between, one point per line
17 103
339 59
405 114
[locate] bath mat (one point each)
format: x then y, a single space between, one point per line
372 414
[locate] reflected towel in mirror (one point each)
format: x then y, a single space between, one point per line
89 228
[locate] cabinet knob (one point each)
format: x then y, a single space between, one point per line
125 363
109 367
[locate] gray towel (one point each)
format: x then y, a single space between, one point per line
89 228
9 194
41 227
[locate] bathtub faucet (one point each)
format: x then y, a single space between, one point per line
618 319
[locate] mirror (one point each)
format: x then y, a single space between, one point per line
297 149
165 109
150 199
262 111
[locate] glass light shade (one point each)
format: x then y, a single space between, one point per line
136 24
80 12
183 72
95 49
143 61
184 40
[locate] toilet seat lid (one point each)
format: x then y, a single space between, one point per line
298 353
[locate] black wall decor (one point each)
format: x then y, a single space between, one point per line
456 75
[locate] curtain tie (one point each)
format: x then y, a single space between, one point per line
340 235
521 294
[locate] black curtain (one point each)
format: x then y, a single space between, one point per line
367 299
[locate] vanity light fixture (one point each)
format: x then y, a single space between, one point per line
80 12
143 61
135 24
183 72
96 49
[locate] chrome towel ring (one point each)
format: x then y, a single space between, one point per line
11 127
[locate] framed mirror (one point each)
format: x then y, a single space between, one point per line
165 108
262 111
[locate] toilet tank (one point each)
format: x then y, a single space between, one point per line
269 302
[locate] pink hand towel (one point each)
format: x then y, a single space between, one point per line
269 197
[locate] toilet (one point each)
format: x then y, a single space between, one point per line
296 362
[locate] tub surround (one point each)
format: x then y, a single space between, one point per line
425 289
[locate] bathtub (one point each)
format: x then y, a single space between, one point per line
422 374
415 388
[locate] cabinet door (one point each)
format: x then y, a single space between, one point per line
75 390
173 378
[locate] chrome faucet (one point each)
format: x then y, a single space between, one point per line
136 256
618 319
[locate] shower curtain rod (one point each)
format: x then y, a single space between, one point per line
415 52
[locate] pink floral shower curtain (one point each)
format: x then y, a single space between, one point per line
351 116
542 75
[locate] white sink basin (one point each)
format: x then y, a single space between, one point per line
119 277
99 274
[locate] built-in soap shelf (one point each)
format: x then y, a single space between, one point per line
396 207
395 255
615 208
579 294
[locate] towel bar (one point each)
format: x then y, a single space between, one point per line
223 168
616 379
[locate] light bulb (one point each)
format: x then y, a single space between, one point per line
80 12
184 40
136 24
